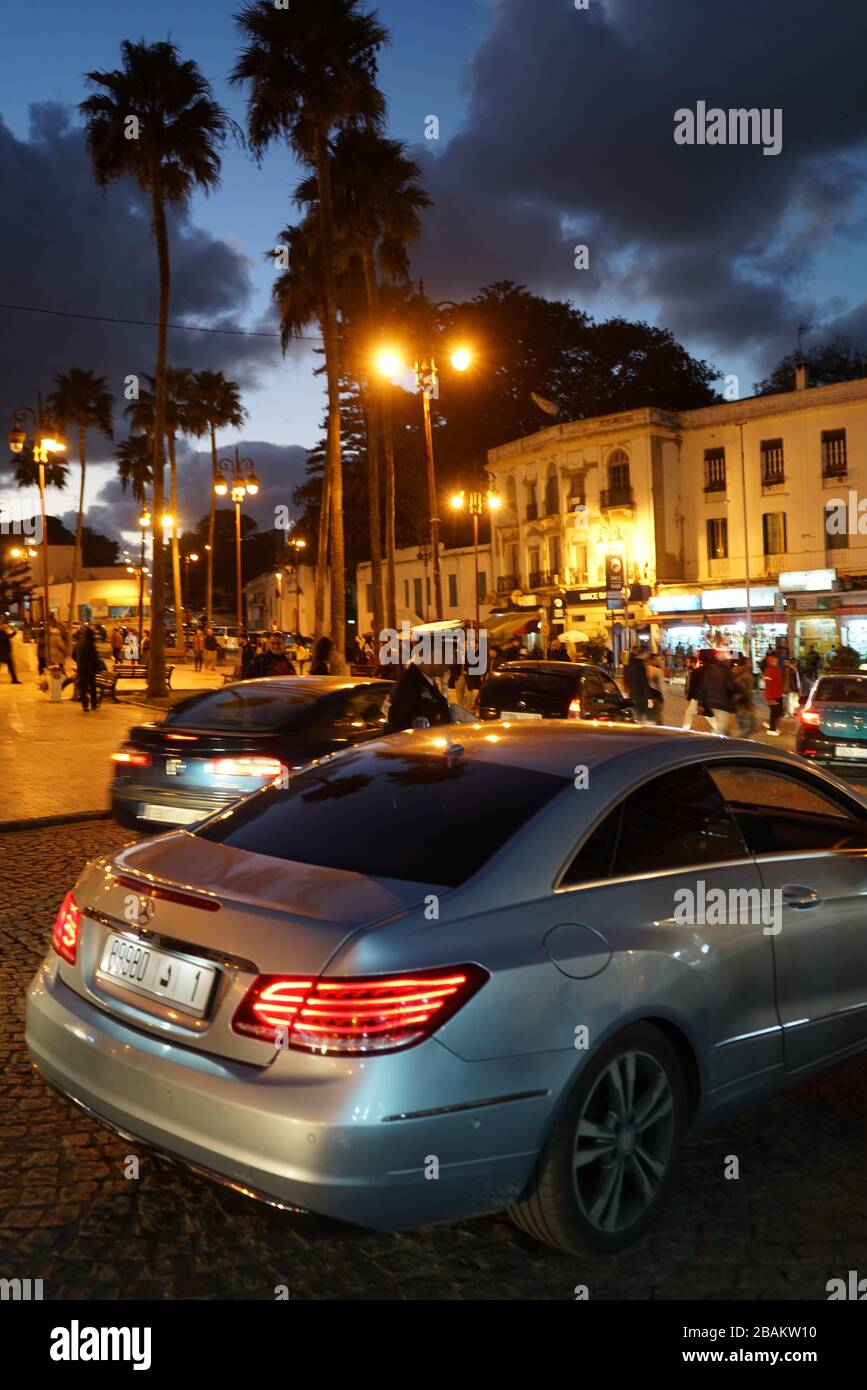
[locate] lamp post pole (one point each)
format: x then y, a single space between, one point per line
239 478
297 545
44 443
477 501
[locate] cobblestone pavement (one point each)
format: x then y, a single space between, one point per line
796 1217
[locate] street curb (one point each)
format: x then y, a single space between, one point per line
43 822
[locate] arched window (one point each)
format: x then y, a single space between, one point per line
511 493
618 470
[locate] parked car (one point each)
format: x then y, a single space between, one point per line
227 639
832 723
270 996
553 690
222 744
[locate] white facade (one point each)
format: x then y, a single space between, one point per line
285 598
414 586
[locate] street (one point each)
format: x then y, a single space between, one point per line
795 1217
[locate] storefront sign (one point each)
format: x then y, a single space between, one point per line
714 599
807 581
676 603
586 596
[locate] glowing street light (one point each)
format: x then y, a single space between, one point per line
44 443
239 478
477 501
462 359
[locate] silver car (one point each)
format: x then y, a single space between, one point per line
456 971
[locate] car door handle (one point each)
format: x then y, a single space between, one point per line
796 896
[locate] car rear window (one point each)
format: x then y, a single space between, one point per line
243 709
842 691
428 818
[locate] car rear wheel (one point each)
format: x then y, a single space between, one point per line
608 1164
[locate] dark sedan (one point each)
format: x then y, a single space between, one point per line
553 690
216 747
832 725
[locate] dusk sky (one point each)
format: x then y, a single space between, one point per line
556 128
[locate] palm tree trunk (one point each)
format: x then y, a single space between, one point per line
390 582
322 553
209 594
373 461
180 635
157 656
79 530
332 368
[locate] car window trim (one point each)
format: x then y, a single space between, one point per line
663 873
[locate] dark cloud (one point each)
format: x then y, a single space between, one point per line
569 139
65 244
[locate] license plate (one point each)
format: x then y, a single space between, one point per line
185 984
519 714
177 815
842 750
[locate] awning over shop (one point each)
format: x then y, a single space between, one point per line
512 625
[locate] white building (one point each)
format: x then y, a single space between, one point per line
101 592
652 504
286 598
414 586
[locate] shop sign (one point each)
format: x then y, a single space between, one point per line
714 599
676 603
807 581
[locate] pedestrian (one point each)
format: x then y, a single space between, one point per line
273 661
719 694
211 648
416 700
56 643
116 644
7 659
791 685
813 662
198 649
656 686
300 655
130 647
87 661
773 683
745 712
694 690
321 664
556 650
638 685
249 654
145 646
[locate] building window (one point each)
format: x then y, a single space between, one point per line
836 526
533 560
417 598
717 538
453 590
618 471
554 554
552 494
774 532
579 564
406 593
834 464
483 586
773 467
714 470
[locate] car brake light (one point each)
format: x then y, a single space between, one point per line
363 1015
130 759
246 767
67 925
574 709
809 716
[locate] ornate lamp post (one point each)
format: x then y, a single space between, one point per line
44 443
240 479
190 558
477 501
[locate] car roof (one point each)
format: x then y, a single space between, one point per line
312 685
556 668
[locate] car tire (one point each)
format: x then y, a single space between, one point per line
589 1209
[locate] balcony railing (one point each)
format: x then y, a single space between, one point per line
718 568
715 484
506 583
541 579
776 562
616 497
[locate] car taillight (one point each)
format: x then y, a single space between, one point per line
246 767
809 716
380 1014
67 925
130 759
574 709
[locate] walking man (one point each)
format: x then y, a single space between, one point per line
773 683
7 635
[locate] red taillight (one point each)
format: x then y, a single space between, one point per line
246 767
380 1014
809 716
67 925
130 759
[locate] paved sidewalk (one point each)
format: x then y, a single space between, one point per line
54 758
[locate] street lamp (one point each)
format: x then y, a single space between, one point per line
144 522
388 364
297 545
190 558
45 442
239 479
476 502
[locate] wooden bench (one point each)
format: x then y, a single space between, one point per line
234 675
107 681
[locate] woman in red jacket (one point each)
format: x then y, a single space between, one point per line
773 683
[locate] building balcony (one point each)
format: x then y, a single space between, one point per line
541 579
775 563
532 511
719 568
611 497
715 485
834 474
773 479
506 583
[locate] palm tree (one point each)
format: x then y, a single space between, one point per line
156 121
81 398
310 70
212 403
377 198
134 459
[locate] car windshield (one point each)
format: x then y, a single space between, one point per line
427 818
842 690
243 708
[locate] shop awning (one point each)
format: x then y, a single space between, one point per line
512 625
